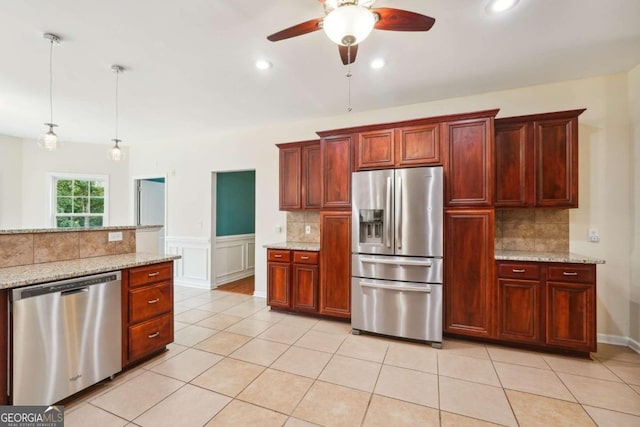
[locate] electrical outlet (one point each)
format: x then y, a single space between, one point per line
307 229
278 229
593 235
115 236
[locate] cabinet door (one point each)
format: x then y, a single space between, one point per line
469 277
514 165
305 287
335 264
571 316
418 145
335 158
290 178
519 315
279 284
311 177
556 162
375 150
468 168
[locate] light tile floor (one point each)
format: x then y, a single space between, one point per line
236 363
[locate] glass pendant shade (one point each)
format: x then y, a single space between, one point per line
349 24
115 153
49 140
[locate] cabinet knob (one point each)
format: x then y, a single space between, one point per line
569 273
518 270
155 334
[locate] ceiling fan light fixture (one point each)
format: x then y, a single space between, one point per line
499 6
349 24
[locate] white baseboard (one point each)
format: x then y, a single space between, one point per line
221 280
191 283
619 340
259 294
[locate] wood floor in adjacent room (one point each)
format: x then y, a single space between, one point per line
244 286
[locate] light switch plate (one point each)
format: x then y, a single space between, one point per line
593 235
115 236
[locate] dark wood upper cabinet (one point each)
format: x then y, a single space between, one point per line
375 150
300 175
418 145
469 161
335 161
536 160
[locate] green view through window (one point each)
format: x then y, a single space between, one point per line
79 202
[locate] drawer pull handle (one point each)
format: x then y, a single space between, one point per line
569 273
304 257
277 256
153 335
154 274
153 301
518 271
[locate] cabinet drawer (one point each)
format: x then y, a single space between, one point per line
147 274
279 255
300 257
150 336
518 270
572 273
148 302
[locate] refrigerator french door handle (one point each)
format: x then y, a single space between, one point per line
426 290
399 214
387 214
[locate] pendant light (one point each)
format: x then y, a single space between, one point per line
49 140
116 154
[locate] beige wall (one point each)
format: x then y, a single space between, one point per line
634 110
10 182
605 173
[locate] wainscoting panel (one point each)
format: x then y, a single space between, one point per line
193 269
234 258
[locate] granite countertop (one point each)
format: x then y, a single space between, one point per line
63 230
13 277
296 246
569 257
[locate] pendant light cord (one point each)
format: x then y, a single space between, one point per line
117 75
51 81
348 75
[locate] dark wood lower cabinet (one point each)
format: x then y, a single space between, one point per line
279 284
305 287
293 279
335 263
468 289
547 305
4 352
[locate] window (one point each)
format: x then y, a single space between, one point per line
79 201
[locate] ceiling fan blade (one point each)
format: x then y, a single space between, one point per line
297 30
344 53
402 20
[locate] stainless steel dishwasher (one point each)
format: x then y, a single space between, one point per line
67 336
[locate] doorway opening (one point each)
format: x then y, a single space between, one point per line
149 209
233 231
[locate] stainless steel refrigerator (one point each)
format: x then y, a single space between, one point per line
397 266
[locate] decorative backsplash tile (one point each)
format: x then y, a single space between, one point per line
41 247
296 222
541 230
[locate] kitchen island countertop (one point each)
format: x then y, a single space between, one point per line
565 257
13 277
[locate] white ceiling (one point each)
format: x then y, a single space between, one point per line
190 63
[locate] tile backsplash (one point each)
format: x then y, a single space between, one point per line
296 222
540 230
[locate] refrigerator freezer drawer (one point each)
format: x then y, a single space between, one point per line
401 309
408 269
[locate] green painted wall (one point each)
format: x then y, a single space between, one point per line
235 203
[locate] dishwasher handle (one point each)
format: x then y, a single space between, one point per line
74 291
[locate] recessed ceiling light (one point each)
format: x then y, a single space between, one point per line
378 63
497 6
262 64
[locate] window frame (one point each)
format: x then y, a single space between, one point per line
53 178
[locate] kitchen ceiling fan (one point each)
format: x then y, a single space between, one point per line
348 22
